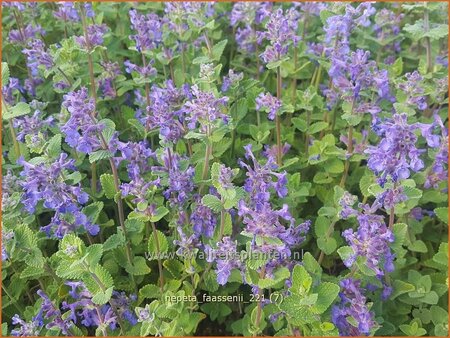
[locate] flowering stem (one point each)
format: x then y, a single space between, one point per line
328 234
349 149
208 153
391 218
103 288
90 61
158 252
347 161
426 27
277 118
260 293
12 131
147 86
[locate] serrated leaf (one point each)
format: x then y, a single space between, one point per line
218 49
5 74
327 244
108 186
102 297
442 214
92 211
149 291
155 242
301 280
18 110
139 266
316 127
159 213
212 202
327 293
114 241
99 155
54 145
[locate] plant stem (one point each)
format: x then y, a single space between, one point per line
147 86
260 293
158 252
208 153
426 27
12 299
11 130
349 150
277 119
391 218
90 61
328 234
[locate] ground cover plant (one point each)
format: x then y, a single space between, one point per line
224 169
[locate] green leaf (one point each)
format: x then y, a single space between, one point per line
139 266
316 127
99 155
149 291
400 288
345 252
54 145
327 244
92 211
155 242
108 186
279 275
438 32
301 280
159 213
102 297
5 74
327 293
114 241
218 49
442 214
18 110
212 202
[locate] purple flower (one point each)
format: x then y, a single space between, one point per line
66 12
371 241
179 177
26 329
246 39
9 90
54 313
7 236
396 154
186 244
32 125
244 12
391 197
231 79
281 31
413 88
204 109
46 183
148 29
262 178
165 112
37 56
203 220
352 304
179 13
269 103
147 71
22 36
94 36
226 257
81 129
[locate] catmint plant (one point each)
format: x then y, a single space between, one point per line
224 169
